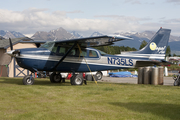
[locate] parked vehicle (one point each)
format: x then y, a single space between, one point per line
176 78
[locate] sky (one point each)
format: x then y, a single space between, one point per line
88 16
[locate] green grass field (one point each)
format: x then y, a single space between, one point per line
45 101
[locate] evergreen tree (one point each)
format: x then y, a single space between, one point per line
115 49
174 55
168 51
143 44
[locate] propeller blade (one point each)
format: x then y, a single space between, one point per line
10 43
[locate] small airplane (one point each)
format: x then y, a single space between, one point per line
76 55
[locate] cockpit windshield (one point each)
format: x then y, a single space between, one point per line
48 45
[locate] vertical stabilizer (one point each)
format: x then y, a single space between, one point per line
157 44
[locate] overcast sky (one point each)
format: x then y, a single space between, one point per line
87 16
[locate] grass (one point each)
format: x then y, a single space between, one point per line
106 101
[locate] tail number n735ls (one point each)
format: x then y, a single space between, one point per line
120 61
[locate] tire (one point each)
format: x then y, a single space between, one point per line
76 79
99 75
55 78
176 83
27 81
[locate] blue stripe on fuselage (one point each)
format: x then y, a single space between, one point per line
47 65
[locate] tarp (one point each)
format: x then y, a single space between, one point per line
121 74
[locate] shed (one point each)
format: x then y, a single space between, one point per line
12 69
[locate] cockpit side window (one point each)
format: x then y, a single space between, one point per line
62 50
54 49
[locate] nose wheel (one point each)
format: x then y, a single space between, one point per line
28 80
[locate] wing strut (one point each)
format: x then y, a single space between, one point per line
86 63
54 68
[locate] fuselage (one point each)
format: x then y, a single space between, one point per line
42 59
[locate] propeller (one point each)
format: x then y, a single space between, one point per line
6 58
13 53
10 42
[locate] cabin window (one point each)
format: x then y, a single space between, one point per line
54 49
62 51
72 53
83 53
92 53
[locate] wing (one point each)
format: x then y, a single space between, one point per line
96 41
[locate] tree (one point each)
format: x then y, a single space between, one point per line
168 51
143 44
114 49
174 55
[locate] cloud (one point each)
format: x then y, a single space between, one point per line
174 1
122 17
172 21
32 20
138 2
132 1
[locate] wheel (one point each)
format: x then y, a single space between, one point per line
28 81
99 75
176 83
55 78
77 79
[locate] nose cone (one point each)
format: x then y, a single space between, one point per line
10 53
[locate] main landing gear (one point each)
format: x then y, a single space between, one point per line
76 79
55 77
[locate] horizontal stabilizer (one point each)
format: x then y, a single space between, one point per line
152 63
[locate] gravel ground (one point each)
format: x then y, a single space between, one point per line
167 80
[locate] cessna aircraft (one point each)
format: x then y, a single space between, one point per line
76 55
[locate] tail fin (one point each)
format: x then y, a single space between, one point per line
158 43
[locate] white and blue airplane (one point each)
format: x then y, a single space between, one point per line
76 55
